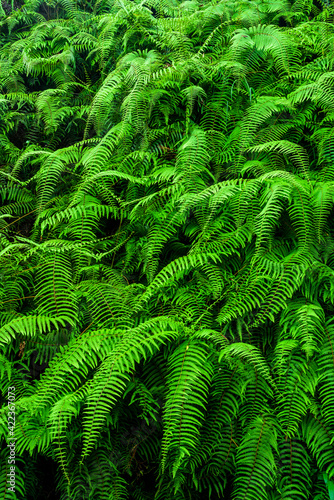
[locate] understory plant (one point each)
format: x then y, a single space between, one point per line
167 249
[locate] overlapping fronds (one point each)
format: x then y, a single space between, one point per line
167 248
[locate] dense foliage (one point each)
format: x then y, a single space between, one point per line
167 248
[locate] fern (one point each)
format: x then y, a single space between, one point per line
166 248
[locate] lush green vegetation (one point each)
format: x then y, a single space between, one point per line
167 248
